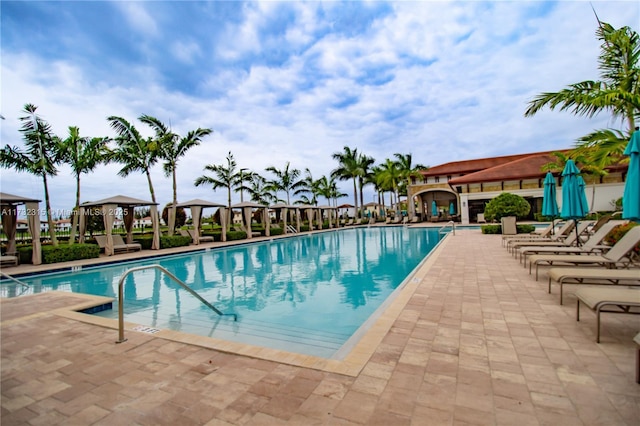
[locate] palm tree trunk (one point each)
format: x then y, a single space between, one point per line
76 212
153 194
229 218
174 208
355 197
52 229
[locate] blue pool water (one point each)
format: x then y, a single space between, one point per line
307 294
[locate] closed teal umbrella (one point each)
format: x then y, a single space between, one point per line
573 198
631 197
549 198
583 195
434 208
452 209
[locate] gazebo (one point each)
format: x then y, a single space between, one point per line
109 207
196 206
9 204
247 208
285 209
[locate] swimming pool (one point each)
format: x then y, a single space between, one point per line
307 294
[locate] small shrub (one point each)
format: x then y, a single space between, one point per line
525 229
491 229
618 232
276 231
506 204
236 235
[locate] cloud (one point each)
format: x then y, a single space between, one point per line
297 81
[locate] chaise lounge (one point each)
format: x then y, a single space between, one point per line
119 246
599 300
592 276
618 255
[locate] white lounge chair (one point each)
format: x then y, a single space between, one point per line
599 300
192 233
558 236
9 260
618 255
592 276
119 246
591 246
481 218
570 240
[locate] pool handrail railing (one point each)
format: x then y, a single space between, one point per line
121 337
450 223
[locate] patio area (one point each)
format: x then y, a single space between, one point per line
474 340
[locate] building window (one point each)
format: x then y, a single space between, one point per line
448 178
437 179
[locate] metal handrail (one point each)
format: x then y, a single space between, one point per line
16 281
450 223
170 275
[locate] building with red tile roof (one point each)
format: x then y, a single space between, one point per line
461 189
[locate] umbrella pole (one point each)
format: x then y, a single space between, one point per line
577 235
553 225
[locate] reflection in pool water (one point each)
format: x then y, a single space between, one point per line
306 294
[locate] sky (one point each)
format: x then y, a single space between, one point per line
289 81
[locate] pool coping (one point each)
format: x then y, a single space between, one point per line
350 365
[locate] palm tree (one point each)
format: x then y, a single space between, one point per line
83 154
40 158
259 190
172 147
389 178
310 186
348 168
225 177
618 92
134 152
407 172
364 164
244 175
286 180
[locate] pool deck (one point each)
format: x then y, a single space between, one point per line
472 339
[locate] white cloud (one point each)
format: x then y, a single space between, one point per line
443 81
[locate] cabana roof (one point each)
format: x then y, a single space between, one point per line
120 200
199 202
10 199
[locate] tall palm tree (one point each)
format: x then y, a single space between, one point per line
83 154
348 168
40 157
244 176
408 171
259 190
617 92
390 176
134 152
224 177
310 186
171 148
286 179
328 188
364 164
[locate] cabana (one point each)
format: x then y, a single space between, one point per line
329 209
9 204
196 207
247 209
285 214
109 207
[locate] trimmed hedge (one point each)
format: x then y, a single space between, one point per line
60 253
166 241
497 229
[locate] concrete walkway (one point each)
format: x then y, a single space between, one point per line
476 341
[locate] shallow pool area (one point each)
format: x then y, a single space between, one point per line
307 294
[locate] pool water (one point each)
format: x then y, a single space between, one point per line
307 294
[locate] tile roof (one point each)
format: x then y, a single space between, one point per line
527 167
471 166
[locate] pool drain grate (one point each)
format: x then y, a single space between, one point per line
144 329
